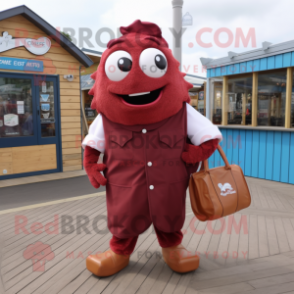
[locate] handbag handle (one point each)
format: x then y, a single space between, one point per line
222 154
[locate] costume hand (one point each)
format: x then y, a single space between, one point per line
95 177
93 168
194 154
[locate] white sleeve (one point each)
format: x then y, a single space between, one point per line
95 139
199 128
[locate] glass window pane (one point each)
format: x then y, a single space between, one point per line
194 99
89 112
239 99
201 103
16 109
292 105
46 90
271 98
217 102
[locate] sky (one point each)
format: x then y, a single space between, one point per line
223 20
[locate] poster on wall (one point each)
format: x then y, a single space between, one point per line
11 120
21 64
20 107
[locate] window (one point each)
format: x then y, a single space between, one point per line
292 106
194 99
239 99
46 97
16 113
201 102
271 98
217 103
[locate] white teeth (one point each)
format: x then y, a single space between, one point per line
138 94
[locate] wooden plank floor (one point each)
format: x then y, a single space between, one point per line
250 252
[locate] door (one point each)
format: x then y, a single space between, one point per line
48 115
47 112
30 116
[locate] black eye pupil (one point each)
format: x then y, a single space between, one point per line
160 61
124 64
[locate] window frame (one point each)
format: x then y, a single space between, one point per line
22 140
289 84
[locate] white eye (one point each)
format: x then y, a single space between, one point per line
153 63
118 65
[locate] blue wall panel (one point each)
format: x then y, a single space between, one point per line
217 71
217 158
223 70
211 161
285 157
243 67
248 153
230 144
271 62
291 161
249 66
287 59
277 156
267 63
212 72
224 143
230 69
279 61
227 70
255 153
237 68
269 156
233 69
256 65
235 150
242 147
263 64
292 58
208 73
262 154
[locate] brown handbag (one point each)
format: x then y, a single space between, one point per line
219 191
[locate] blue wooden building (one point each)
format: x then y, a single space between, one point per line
250 96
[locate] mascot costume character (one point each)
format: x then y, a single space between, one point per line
152 140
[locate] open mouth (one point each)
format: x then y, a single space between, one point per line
142 98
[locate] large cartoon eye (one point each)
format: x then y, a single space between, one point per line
118 65
153 63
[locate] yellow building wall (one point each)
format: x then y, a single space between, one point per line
57 61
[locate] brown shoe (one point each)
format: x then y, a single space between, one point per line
107 263
179 259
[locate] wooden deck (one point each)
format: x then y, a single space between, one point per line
233 260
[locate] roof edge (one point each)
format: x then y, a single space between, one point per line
265 51
49 30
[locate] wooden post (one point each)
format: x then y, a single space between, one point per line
254 98
288 97
225 101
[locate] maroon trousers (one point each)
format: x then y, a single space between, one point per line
126 246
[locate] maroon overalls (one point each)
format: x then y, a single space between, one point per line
147 179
